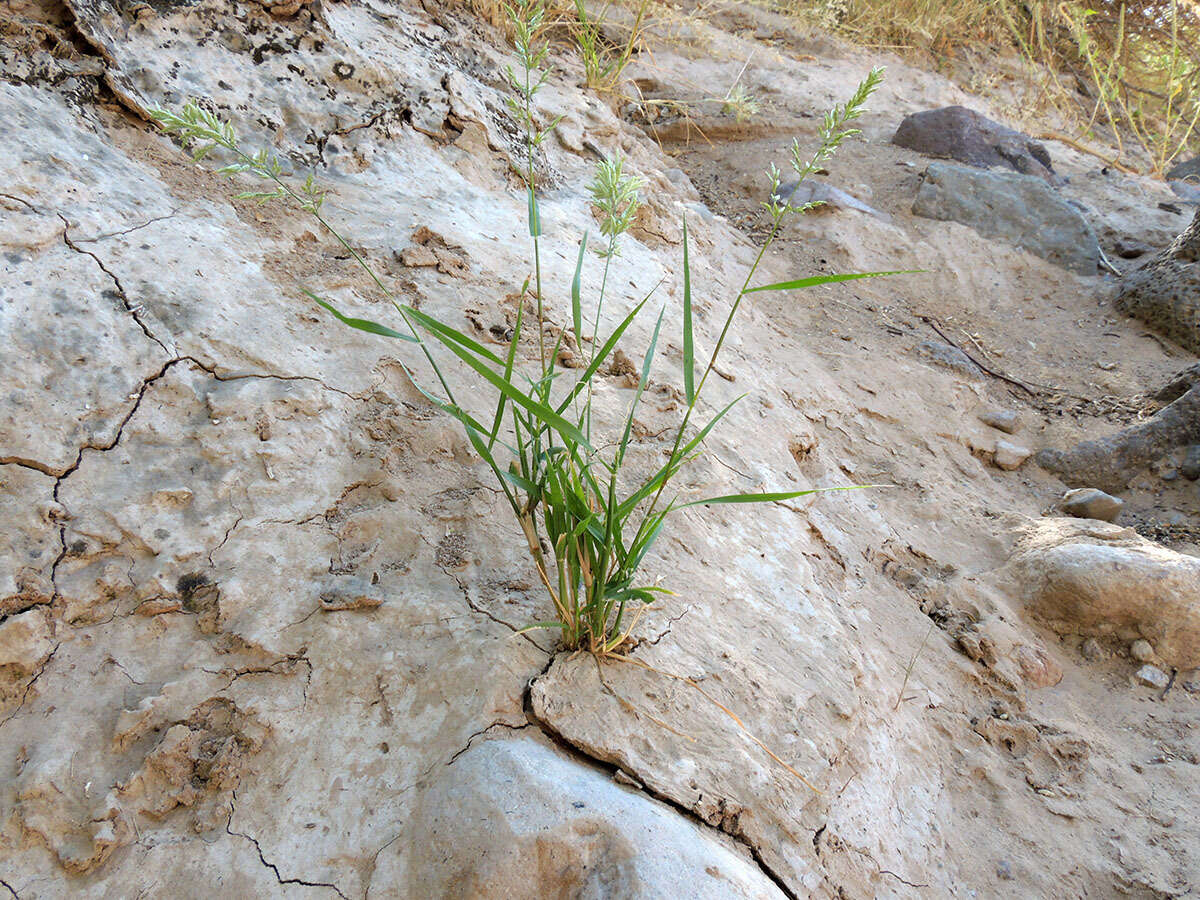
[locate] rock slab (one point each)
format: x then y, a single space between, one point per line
1018 209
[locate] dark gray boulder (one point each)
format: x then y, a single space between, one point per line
1018 209
955 132
1165 293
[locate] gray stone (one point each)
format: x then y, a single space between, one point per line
1189 170
1187 191
1090 503
1019 209
1092 651
1009 456
1152 676
955 132
949 357
1142 650
1006 420
1190 468
1191 682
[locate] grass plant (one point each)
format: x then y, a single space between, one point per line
588 521
602 62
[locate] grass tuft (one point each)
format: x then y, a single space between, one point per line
588 523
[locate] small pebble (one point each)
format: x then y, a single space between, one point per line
1091 503
1191 682
1005 420
1004 870
1010 456
1091 650
1142 651
1152 676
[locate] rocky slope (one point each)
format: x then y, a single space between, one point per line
259 605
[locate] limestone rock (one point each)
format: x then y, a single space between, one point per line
1006 420
1092 503
1018 209
1097 579
955 132
1015 659
573 833
827 196
25 641
1010 456
1152 676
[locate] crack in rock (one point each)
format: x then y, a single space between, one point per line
134 311
580 753
270 865
462 586
28 687
109 234
483 731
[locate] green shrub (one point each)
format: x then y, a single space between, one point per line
587 531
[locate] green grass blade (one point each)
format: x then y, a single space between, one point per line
602 355
361 324
642 382
814 280
689 350
519 481
772 498
669 468
576 303
445 333
509 361
538 410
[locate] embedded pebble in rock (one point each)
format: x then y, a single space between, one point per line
1091 503
572 832
1009 456
1142 651
1152 676
1006 420
1190 467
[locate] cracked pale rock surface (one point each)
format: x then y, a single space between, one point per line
259 605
